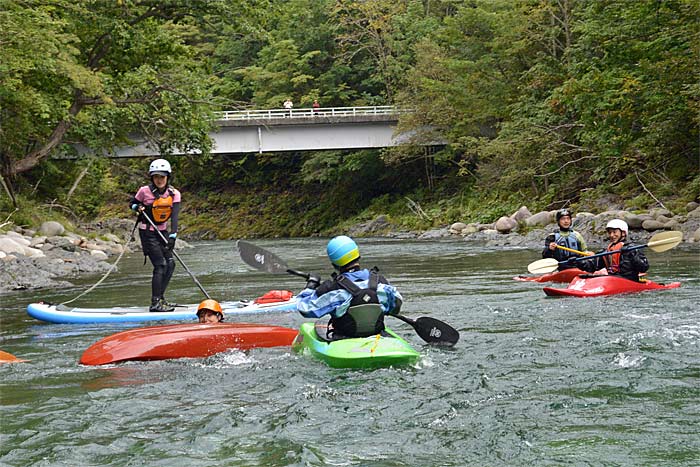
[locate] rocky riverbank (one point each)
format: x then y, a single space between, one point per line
46 257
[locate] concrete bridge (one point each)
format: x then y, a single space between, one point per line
304 129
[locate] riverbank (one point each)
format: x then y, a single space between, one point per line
50 256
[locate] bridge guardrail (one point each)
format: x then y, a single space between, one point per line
308 112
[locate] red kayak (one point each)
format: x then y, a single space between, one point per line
565 276
9 358
595 286
184 341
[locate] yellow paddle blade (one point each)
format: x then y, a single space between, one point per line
543 266
665 240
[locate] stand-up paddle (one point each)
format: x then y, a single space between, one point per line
431 330
177 256
660 242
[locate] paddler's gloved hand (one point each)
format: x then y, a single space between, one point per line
313 281
171 241
137 207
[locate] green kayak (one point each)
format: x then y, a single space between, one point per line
387 349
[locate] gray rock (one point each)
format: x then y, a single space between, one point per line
541 218
652 225
633 221
521 214
656 212
505 224
51 228
457 228
696 235
694 214
692 206
64 243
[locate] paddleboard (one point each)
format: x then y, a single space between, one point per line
62 314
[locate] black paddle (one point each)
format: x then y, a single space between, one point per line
177 256
431 330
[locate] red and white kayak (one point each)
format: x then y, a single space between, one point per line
596 286
565 276
9 358
184 341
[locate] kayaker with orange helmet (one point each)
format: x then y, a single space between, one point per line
628 263
566 237
160 202
356 299
209 311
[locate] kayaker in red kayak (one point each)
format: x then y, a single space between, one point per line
357 299
160 202
627 264
566 237
209 311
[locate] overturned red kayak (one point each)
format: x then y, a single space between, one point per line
9 358
595 286
184 341
565 276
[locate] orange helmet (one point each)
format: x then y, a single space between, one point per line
211 305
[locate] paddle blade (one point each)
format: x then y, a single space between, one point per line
665 240
261 259
435 331
543 266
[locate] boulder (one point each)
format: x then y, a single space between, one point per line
694 214
470 229
696 235
521 214
692 206
541 218
9 245
651 225
656 212
457 227
505 225
51 228
633 221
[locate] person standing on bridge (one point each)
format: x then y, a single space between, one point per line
288 105
315 106
158 202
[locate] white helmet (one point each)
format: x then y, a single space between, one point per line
618 224
159 167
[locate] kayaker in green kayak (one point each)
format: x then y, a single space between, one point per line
628 263
356 299
564 237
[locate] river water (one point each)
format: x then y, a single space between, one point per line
533 380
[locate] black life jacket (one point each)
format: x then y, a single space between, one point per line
364 316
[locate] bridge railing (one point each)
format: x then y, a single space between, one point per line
308 112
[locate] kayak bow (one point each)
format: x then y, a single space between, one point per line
565 276
596 286
184 341
359 352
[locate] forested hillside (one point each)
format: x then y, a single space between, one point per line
547 103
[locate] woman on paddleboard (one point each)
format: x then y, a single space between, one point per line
157 203
356 299
566 237
628 264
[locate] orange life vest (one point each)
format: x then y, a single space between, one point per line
274 296
612 262
162 208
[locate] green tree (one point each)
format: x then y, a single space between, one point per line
91 74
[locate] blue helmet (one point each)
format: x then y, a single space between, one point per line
342 250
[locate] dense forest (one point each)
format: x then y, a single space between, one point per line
546 103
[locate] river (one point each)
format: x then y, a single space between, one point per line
533 380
